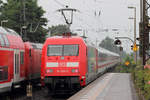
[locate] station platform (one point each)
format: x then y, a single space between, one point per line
111 86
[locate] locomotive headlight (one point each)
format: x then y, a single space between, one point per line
49 70
42 77
83 77
72 64
74 70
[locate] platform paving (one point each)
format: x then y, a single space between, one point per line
111 86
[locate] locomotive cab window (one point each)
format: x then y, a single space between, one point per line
55 50
71 50
62 50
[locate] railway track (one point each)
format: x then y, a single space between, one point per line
38 94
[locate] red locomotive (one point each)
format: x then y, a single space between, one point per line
69 63
18 61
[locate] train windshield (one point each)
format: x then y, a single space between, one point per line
63 50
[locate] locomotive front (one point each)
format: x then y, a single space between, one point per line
62 58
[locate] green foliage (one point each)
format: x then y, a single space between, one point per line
13 12
146 85
1 4
122 68
59 29
108 43
141 79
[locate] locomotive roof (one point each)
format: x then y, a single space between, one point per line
7 31
64 37
88 43
60 38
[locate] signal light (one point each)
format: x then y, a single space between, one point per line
117 42
138 39
131 47
121 48
148 25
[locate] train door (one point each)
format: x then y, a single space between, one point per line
16 66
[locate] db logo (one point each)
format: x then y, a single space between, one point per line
62 64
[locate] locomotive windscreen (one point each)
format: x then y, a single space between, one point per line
63 50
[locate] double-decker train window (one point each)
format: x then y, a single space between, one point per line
3 73
2 42
16 63
6 40
63 50
21 57
10 31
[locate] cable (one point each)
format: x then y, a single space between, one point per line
60 3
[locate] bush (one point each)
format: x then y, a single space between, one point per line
146 85
141 78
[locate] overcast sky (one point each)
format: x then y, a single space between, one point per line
114 15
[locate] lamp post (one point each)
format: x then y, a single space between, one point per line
134 30
116 42
3 21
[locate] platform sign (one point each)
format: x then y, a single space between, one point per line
127 63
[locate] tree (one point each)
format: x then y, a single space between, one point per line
30 15
1 3
59 30
108 44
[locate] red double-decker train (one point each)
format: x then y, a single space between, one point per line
69 63
33 52
19 61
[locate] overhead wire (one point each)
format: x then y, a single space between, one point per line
93 15
81 19
59 3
